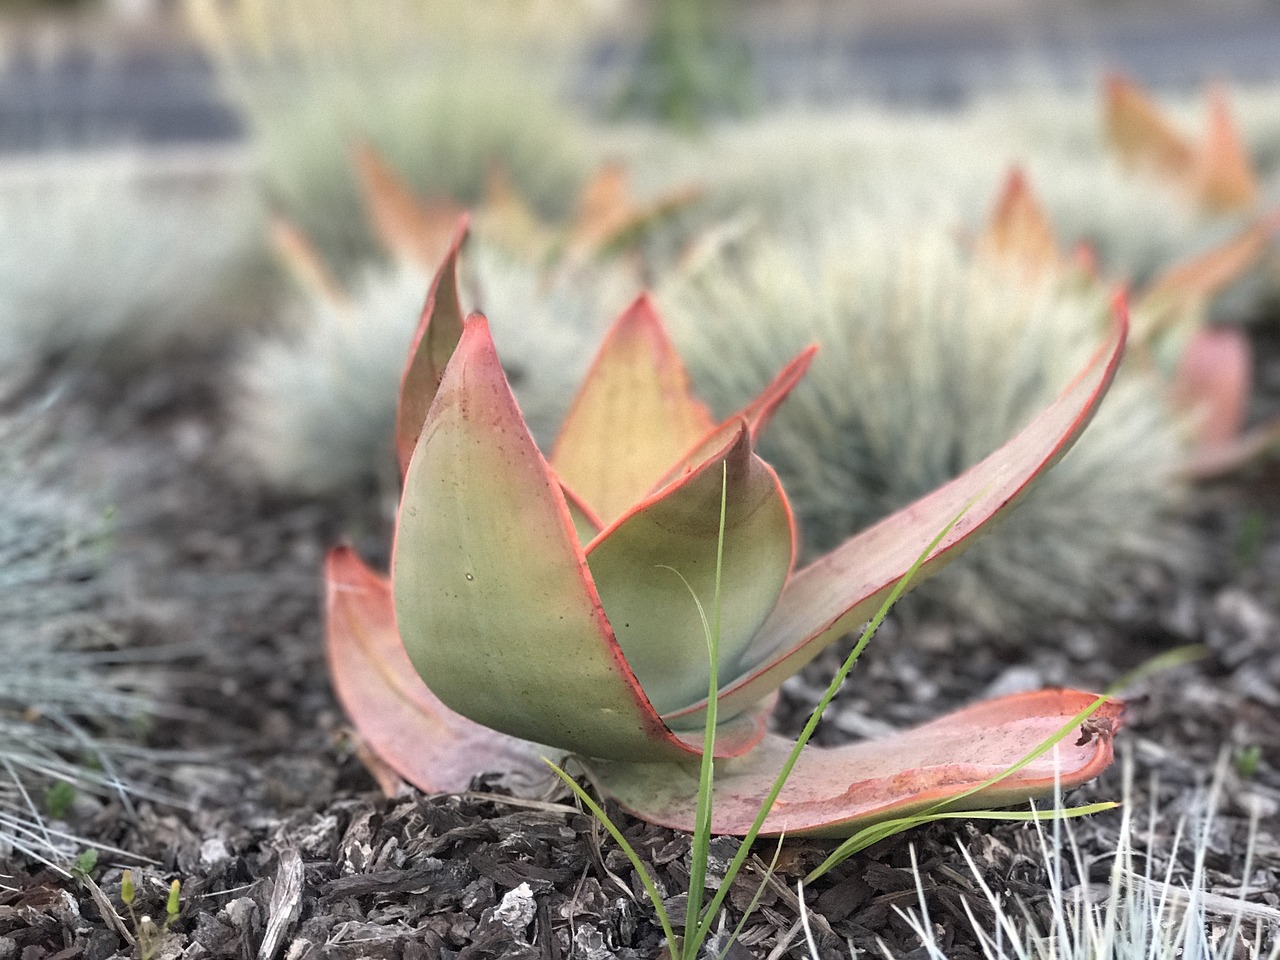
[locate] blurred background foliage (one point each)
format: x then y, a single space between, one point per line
602 146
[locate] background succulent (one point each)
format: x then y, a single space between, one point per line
927 362
789 171
442 99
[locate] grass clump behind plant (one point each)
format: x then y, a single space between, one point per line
315 409
440 103
927 363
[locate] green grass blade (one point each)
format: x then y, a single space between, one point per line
869 836
701 845
755 899
812 724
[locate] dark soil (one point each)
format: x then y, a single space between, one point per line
287 848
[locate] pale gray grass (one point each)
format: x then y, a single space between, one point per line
70 698
928 362
113 259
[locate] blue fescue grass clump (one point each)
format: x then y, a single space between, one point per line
1147 909
443 94
928 362
69 699
100 262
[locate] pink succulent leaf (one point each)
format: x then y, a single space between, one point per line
646 563
437 335
836 791
633 416
841 590
1177 297
401 721
495 604
1213 381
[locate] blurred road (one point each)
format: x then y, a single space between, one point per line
161 93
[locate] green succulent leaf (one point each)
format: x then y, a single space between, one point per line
632 418
634 565
493 598
438 332
836 791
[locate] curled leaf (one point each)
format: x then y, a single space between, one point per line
836 790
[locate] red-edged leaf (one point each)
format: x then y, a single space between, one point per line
585 522
837 790
402 722
1213 382
493 598
439 329
418 233
1019 232
1227 180
655 619
838 592
632 417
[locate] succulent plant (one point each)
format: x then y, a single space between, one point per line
548 602
1206 370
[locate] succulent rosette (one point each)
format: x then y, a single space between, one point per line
541 606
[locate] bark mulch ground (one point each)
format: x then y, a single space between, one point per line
287 849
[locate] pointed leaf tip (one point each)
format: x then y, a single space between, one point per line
1140 134
755 415
1018 231
1228 181
634 414
415 231
401 722
439 329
